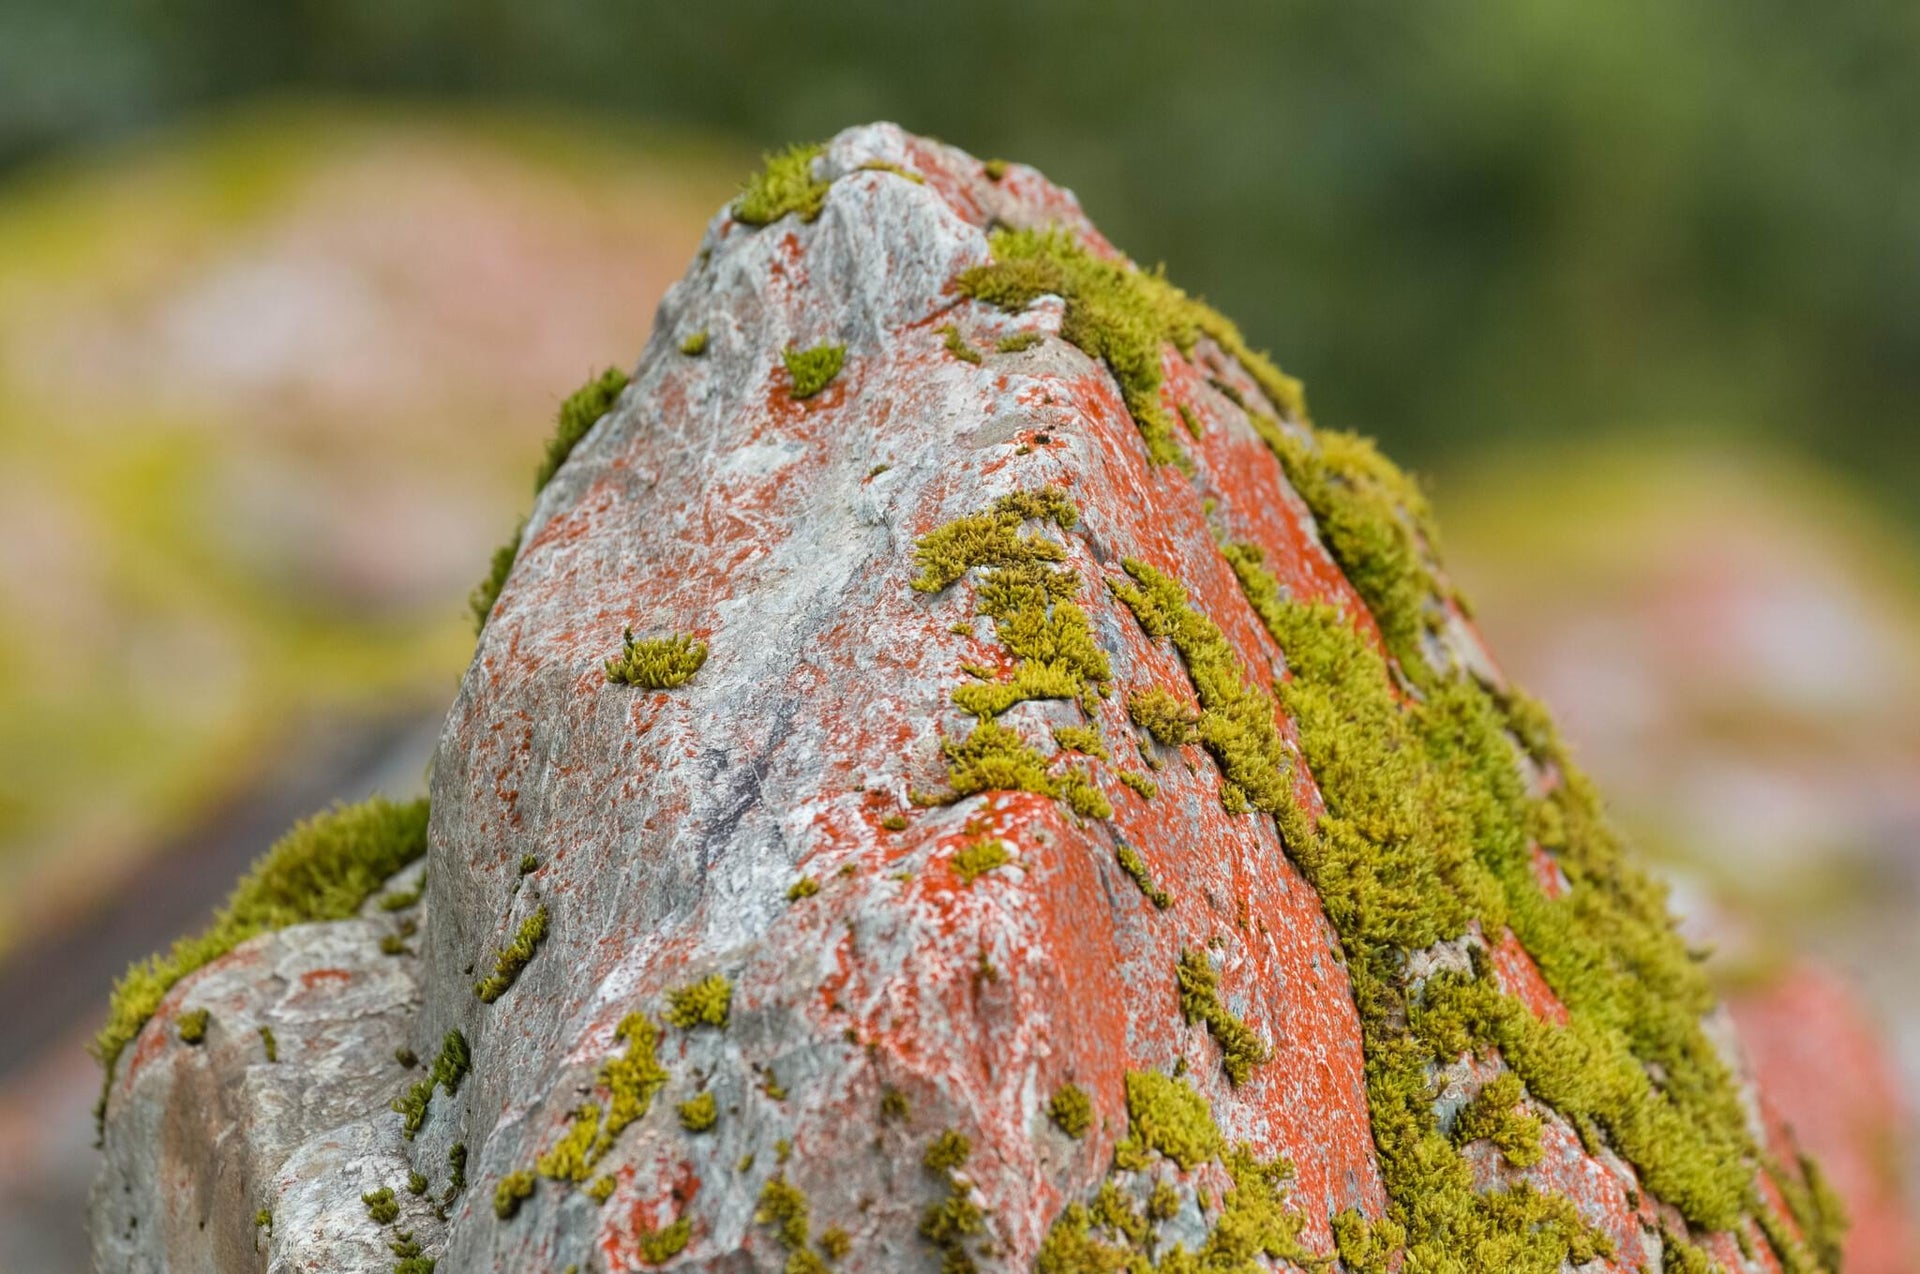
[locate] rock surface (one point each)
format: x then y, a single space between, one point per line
937 1029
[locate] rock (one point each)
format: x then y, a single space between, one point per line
959 774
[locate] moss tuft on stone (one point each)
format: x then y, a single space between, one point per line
1018 342
514 1189
695 345
578 414
193 1025
703 1003
1240 1049
1166 717
657 663
324 869
812 370
979 858
957 344
514 957
1136 869
1071 1110
381 1205
657 1247
449 1069
784 185
698 1114
1495 1115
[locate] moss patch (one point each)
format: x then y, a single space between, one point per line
1240 1049
1136 869
193 1025
703 1003
581 410
979 858
659 1246
784 185
695 345
1495 1115
1166 717
514 957
449 1069
486 593
657 663
957 344
324 869
812 370
514 1189
698 1114
1071 1110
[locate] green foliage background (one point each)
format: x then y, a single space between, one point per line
1459 222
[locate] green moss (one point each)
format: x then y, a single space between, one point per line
894 1106
514 1189
268 1044
995 169
1166 1116
957 344
1018 342
448 1070
948 1151
381 1205
193 1025
486 593
632 1078
456 1170
581 410
1136 868
324 869
657 663
994 538
1495 1115
571 1157
785 184
416 1183
805 887
1166 716
835 1243
979 858
510 960
882 166
1071 1110
695 345
1145 787
263 1220
894 822
1427 834
602 1188
1678 1256
784 1207
812 370
1081 738
1236 717
656 1247
407 1058
1240 1049
703 1003
698 1114
529 864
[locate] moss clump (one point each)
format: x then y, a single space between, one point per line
1166 717
784 1207
994 169
602 1188
950 1222
631 1079
1071 1110
381 1205
1114 1235
785 184
486 593
582 410
805 887
979 858
1166 1116
514 1189
1123 316
400 900
456 1171
323 869
1081 738
449 1069
1495 1115
193 1025
658 1246
894 1106
1142 786
948 1151
957 344
1018 342
657 663
882 166
1136 869
835 1243
513 958
268 1044
703 1003
894 822
416 1183
695 345
1236 716
1678 1256
1240 1049
698 1114
1028 598
571 1157
812 370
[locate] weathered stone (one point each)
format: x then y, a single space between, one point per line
759 883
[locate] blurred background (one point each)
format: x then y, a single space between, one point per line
289 293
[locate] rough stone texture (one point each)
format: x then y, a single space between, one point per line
669 826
